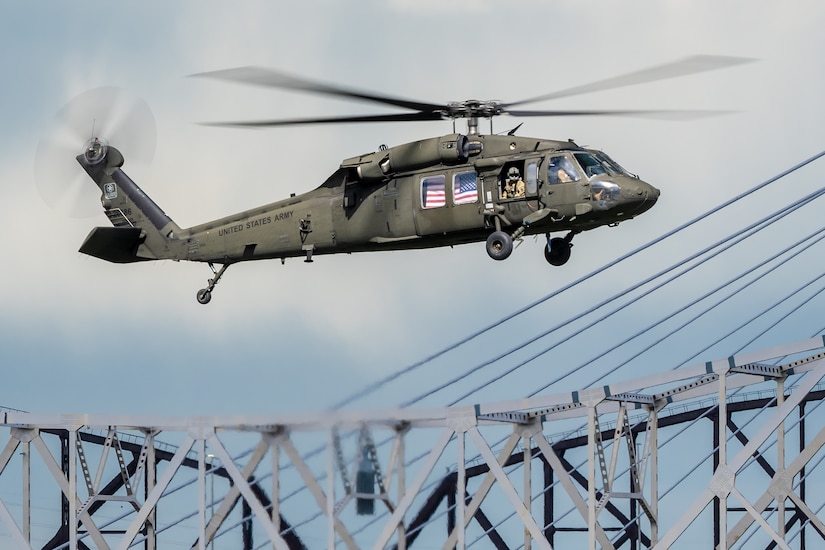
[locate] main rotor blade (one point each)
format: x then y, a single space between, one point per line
402 117
683 67
642 113
270 78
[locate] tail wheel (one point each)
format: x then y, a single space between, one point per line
204 296
499 245
557 251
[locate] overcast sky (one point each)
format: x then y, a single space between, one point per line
80 334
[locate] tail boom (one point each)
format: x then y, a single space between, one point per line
142 231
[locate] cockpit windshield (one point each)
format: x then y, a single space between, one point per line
599 164
561 169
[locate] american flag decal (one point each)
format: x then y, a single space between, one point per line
465 188
432 192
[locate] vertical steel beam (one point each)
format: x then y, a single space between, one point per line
200 446
150 479
635 518
528 488
717 536
549 510
591 477
780 458
802 444
460 492
400 435
72 489
275 451
330 492
653 434
27 510
64 467
723 459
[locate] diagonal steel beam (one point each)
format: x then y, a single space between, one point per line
155 494
724 477
395 519
482 491
315 489
507 486
63 483
780 481
242 483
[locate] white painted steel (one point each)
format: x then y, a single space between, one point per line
446 430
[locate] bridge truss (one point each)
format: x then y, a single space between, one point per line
627 471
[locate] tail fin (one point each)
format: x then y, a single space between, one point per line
142 231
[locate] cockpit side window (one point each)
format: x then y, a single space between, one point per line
591 165
560 169
612 166
598 163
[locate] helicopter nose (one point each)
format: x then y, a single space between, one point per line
640 193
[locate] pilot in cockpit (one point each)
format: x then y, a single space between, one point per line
513 186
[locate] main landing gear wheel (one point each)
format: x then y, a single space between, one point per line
499 245
557 251
204 296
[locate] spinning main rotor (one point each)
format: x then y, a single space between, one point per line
471 109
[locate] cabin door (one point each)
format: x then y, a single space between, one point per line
448 201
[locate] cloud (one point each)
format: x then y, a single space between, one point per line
355 318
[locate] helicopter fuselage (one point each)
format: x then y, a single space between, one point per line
425 206
443 191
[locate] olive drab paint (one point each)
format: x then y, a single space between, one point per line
420 201
441 191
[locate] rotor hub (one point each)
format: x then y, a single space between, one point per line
473 108
95 150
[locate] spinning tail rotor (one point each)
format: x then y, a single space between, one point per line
87 124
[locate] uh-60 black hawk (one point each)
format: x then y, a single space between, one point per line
442 191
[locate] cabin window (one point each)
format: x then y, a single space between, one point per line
432 191
561 170
465 188
532 177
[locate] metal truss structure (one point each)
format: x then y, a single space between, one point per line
328 468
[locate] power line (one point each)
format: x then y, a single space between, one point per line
375 386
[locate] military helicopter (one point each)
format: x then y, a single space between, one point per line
440 191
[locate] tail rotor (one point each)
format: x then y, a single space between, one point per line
87 124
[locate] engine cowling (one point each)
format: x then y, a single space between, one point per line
449 149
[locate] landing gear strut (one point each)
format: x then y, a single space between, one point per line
205 294
557 251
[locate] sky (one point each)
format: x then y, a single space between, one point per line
81 335
132 339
